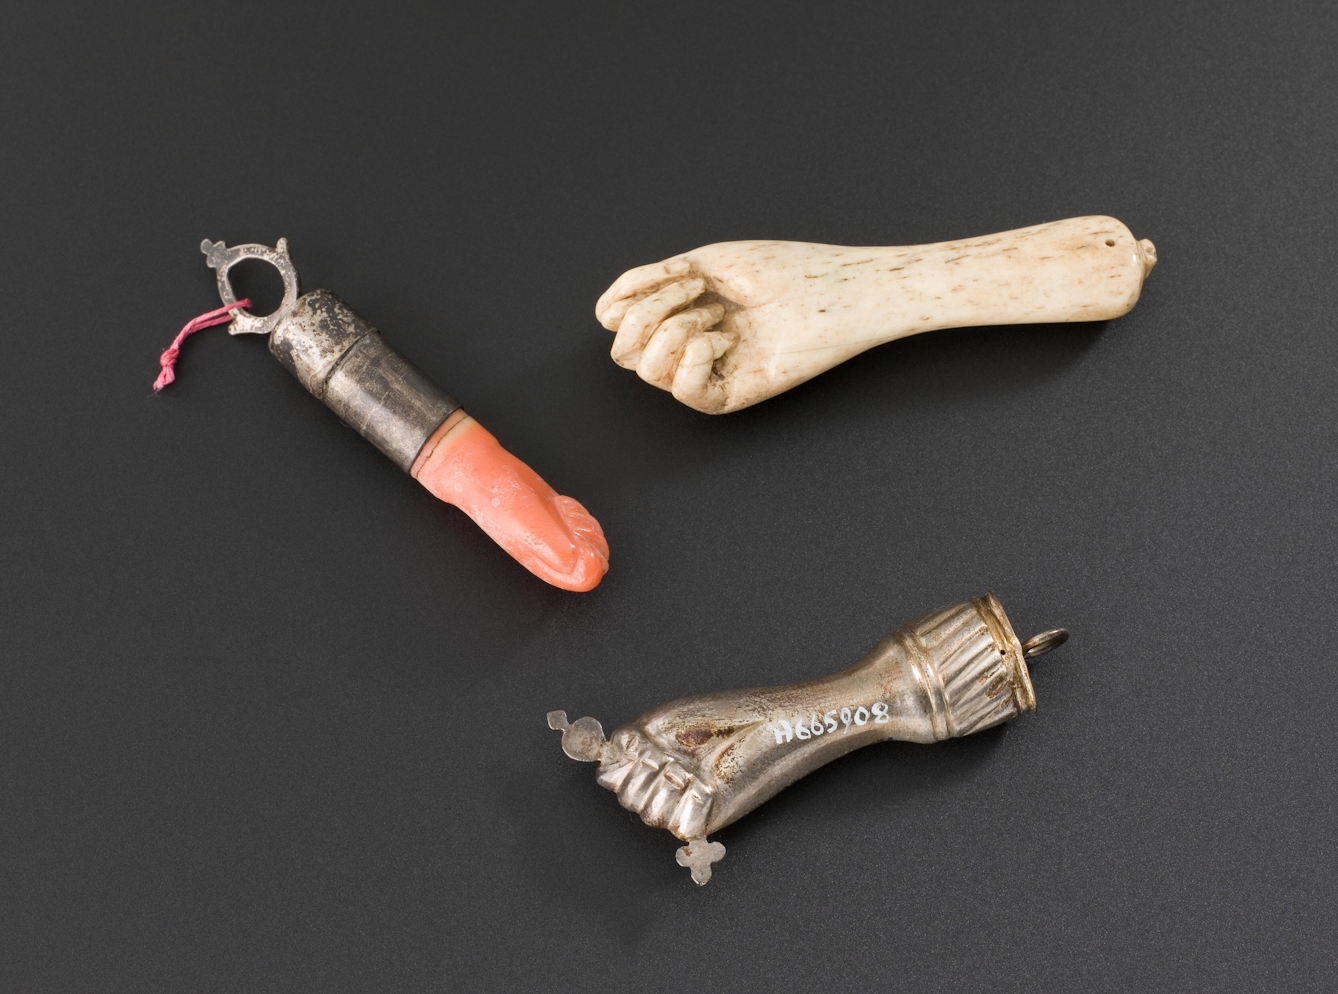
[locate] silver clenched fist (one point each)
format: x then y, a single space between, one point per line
696 764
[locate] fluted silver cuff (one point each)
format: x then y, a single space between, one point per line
971 663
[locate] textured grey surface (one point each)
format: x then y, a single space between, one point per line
272 718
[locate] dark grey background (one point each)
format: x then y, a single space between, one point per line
272 718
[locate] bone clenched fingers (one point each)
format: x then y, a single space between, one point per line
635 282
645 316
666 343
692 382
612 316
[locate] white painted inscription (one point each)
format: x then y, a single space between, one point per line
815 725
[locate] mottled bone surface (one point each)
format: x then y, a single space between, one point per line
730 324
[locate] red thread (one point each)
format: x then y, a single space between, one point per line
169 358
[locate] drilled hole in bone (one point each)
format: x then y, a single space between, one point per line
1110 242
257 279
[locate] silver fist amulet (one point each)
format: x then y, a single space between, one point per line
699 763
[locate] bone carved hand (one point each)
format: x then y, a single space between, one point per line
730 324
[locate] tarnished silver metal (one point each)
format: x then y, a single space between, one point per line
221 258
696 764
340 358
1039 645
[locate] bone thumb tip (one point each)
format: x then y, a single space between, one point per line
1148 252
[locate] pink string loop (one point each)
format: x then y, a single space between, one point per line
168 359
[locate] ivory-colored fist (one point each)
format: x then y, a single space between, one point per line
729 324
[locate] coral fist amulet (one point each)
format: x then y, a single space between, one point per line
343 361
696 764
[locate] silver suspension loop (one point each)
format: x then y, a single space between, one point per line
221 258
1039 645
